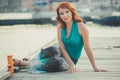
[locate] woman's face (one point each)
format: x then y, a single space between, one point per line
65 15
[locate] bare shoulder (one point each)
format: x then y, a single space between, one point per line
82 27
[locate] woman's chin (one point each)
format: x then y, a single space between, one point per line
66 21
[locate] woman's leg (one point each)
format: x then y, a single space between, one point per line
48 52
18 62
24 63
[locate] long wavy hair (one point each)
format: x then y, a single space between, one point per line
67 5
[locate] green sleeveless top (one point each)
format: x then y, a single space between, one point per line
74 42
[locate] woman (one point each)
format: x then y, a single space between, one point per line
72 35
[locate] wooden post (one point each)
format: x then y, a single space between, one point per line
10 63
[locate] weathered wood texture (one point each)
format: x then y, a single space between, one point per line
107 56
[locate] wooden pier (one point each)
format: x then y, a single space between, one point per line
106 51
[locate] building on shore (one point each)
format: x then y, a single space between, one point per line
101 3
26 5
11 6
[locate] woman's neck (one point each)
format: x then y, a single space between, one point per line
69 24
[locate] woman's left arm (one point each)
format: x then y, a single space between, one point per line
85 35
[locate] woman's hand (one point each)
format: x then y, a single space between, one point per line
72 69
99 70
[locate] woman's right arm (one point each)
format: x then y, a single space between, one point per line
72 67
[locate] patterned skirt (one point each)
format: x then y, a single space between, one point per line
48 60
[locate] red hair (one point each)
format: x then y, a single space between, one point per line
67 5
